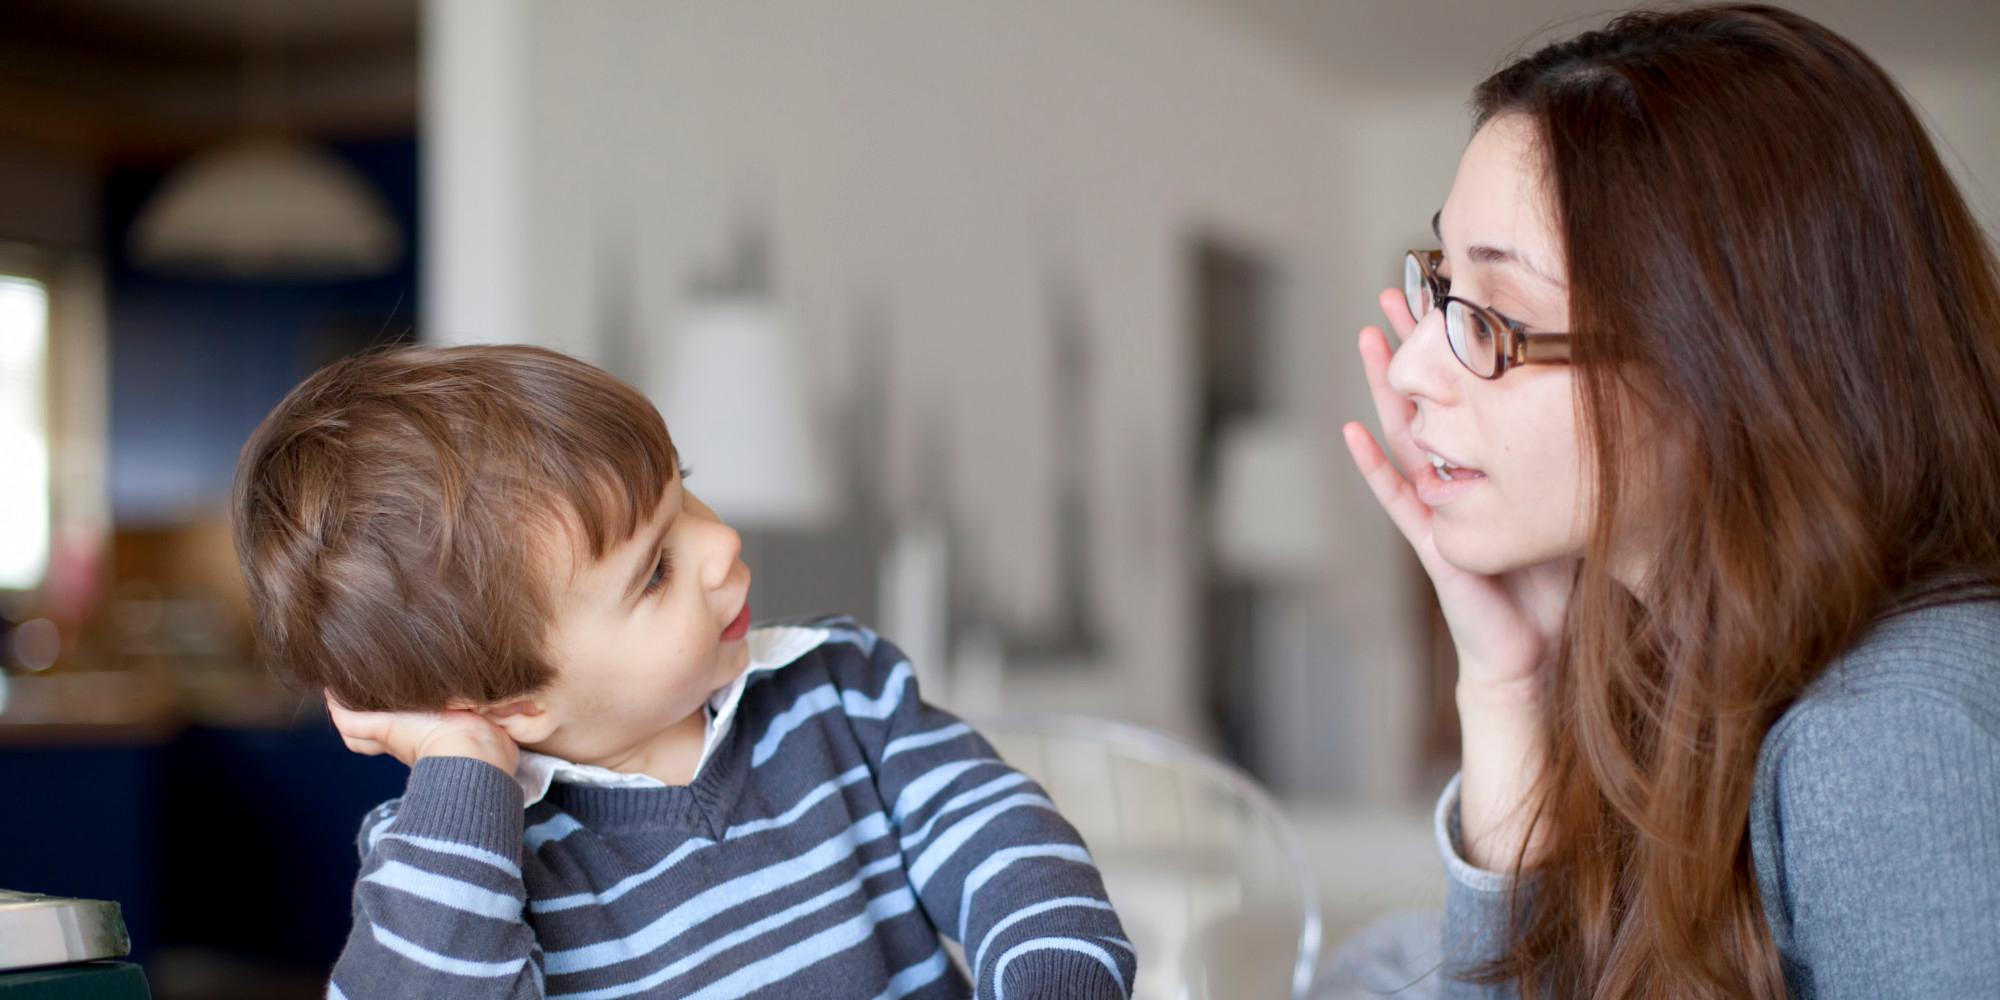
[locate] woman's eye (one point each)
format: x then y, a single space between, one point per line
662 568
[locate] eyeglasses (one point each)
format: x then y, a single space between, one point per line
1484 341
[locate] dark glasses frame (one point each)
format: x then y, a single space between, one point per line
1511 344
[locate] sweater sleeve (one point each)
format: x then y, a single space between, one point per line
438 905
994 864
1476 910
1885 877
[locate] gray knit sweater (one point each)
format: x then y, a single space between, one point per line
1874 823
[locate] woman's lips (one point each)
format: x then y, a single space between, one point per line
740 627
1436 491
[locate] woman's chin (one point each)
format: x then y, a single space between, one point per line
1480 553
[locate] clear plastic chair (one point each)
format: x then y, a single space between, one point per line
1205 870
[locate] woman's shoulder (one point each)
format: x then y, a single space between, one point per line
1890 720
1876 793
1944 656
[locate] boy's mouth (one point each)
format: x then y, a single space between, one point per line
740 627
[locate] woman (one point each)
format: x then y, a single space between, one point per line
1696 412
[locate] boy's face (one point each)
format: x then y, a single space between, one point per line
642 637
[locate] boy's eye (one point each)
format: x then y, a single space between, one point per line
663 568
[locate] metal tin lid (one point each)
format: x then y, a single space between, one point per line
51 930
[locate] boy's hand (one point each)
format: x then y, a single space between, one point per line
408 736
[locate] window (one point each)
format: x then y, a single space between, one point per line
24 433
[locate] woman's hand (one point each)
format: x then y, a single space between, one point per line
408 736
1505 628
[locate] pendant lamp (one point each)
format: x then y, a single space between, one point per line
267 205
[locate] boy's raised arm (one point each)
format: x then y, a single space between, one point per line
996 867
439 901
438 906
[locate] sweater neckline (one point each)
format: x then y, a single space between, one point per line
701 807
772 648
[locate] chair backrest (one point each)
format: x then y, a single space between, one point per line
1205 870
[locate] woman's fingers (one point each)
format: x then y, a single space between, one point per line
1394 409
1397 309
1391 490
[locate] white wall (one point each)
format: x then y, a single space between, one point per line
1961 104
476 203
942 160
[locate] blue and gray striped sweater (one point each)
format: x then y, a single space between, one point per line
839 826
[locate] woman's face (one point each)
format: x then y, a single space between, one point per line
1518 487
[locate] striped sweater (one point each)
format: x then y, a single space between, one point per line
838 826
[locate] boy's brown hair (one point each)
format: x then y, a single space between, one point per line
392 516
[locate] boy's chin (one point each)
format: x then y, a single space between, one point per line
733 658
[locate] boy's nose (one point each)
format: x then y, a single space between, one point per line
719 544
724 547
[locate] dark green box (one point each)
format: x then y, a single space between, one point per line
89 981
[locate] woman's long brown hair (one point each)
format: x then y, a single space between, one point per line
1789 368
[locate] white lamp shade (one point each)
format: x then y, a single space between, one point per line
267 208
740 413
1270 516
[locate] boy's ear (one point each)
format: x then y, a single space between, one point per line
525 720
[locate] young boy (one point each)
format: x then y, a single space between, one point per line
489 561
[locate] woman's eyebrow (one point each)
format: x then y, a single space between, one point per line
1501 255
1489 255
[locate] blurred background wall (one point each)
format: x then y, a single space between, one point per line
1022 330
967 213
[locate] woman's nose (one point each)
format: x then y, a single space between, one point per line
1422 366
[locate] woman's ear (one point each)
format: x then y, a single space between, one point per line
525 720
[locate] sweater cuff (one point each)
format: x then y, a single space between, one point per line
1451 845
465 801
1061 974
